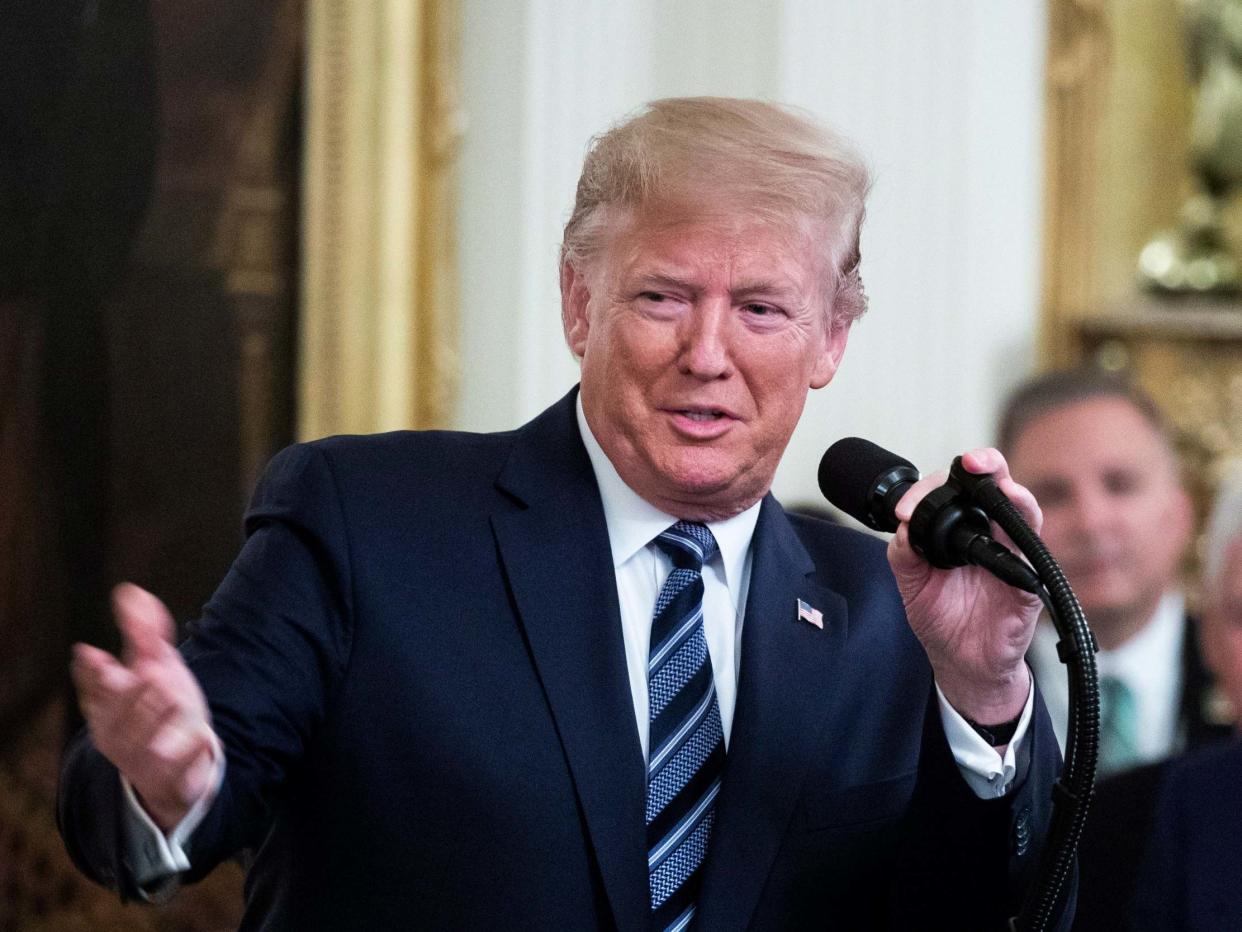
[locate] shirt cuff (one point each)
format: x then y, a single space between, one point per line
157 858
985 770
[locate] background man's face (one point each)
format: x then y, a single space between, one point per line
1222 626
699 342
1115 514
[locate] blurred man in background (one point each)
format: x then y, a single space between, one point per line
1097 454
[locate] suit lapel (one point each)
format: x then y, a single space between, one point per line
784 689
557 558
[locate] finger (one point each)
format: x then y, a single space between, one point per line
121 725
1024 500
99 676
986 460
122 708
990 461
916 493
908 567
146 625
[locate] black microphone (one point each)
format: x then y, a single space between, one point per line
947 528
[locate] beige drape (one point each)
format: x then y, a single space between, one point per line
377 341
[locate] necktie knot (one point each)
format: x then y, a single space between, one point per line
688 544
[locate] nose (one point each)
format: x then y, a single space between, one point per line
1092 511
705 352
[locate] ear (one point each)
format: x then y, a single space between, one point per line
1183 520
830 354
575 298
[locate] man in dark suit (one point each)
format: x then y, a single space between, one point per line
1097 454
588 673
1190 878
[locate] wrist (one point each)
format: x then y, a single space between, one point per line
993 706
166 815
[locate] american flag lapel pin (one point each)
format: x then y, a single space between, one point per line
811 615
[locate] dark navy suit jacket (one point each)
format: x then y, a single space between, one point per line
1123 810
1192 879
416 667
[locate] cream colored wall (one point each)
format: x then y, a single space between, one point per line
943 96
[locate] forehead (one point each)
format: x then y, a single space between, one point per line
1090 435
701 246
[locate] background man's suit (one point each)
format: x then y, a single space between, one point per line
1190 879
417 670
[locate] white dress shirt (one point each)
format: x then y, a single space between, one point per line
1150 665
641 568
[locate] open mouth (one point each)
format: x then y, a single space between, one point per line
703 415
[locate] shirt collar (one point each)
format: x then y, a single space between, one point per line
1137 660
633 522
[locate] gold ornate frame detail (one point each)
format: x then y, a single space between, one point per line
1119 106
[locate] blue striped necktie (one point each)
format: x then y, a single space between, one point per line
687 742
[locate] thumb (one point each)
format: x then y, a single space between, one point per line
146 626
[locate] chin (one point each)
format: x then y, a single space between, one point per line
697 481
713 501
1109 603
707 482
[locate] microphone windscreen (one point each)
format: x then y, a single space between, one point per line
848 473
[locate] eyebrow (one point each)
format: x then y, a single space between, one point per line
658 280
752 289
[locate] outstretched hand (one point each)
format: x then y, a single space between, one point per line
145 711
975 628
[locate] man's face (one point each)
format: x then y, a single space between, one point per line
1222 626
699 341
1115 514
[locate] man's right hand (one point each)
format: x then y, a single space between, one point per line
146 712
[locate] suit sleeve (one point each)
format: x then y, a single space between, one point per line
971 860
1161 899
269 651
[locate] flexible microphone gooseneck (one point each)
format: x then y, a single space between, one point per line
952 527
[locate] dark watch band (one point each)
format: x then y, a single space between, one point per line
996 735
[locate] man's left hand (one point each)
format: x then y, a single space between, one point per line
975 628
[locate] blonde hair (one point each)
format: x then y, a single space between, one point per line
742 156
